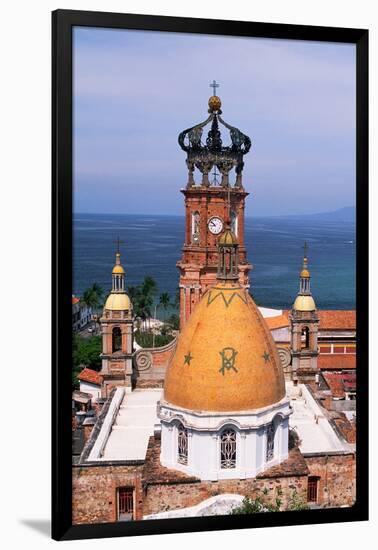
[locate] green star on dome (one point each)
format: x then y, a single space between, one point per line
188 358
266 356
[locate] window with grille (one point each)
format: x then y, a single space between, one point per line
228 449
182 445
195 227
125 504
270 442
312 489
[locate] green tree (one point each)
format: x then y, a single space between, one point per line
86 352
253 506
174 321
92 296
165 301
142 298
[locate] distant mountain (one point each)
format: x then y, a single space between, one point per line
346 214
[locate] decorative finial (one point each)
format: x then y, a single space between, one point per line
118 242
305 248
214 102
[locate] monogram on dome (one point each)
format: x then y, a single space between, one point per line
208 147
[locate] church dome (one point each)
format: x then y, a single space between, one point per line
304 303
118 302
225 359
118 269
228 238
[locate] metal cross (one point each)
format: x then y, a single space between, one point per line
214 85
305 248
118 242
214 174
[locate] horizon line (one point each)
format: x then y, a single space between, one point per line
183 214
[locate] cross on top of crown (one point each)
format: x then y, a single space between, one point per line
214 85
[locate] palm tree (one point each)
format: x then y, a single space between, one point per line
147 290
165 301
92 296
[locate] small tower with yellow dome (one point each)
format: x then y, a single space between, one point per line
224 411
304 329
117 324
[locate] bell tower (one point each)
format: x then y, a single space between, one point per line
304 329
117 323
210 202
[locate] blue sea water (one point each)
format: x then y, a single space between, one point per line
153 246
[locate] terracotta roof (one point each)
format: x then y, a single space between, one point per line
335 383
337 319
91 376
280 321
336 361
329 319
75 300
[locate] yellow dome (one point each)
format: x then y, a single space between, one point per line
215 103
118 301
304 303
305 273
118 269
228 238
225 359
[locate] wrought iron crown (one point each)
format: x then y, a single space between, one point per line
204 155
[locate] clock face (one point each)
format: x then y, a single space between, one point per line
215 225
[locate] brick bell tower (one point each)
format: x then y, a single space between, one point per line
210 203
117 324
304 330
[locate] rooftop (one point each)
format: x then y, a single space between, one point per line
336 361
91 376
133 426
329 319
310 422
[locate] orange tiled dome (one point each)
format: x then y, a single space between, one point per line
225 359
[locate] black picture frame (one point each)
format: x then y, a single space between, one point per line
62 23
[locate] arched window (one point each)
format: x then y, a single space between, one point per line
305 339
182 444
228 449
195 227
234 222
270 434
116 339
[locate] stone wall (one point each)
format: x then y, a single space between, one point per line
166 489
94 491
164 497
337 483
150 364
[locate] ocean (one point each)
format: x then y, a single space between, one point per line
152 246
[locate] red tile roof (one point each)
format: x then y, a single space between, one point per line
337 319
280 321
91 376
340 382
75 300
336 361
329 319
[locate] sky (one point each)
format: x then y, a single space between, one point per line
135 91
